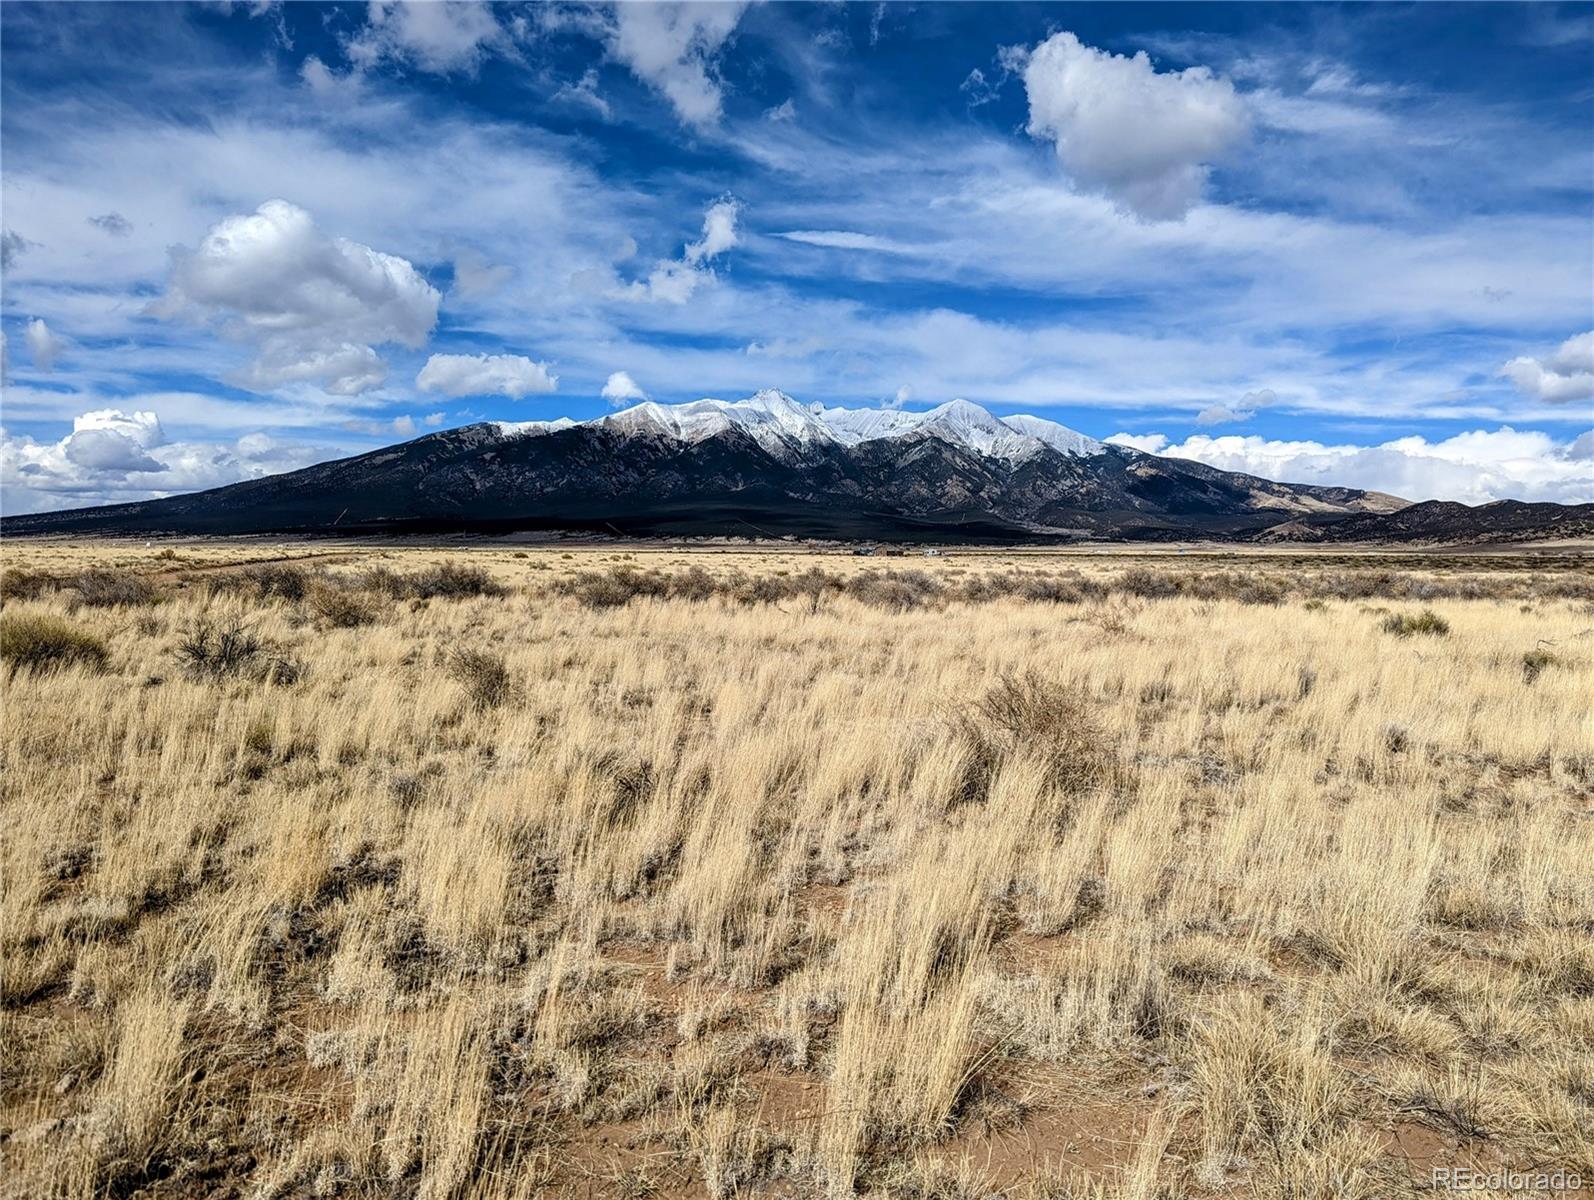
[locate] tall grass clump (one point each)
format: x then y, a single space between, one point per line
484 677
40 641
1029 715
1426 623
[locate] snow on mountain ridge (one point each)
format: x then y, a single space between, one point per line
780 424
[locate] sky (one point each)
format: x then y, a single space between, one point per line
1324 244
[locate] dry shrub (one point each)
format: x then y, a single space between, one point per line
484 677
899 591
1427 623
613 588
1534 662
208 649
1149 585
1027 714
341 608
39 641
278 579
22 584
109 589
447 581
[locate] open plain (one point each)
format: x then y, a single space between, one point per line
365 870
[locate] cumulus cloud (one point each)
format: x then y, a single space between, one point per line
1566 375
1475 467
672 48
622 389
1151 443
345 370
113 456
674 280
438 36
1143 137
509 375
112 440
45 346
786 110
314 305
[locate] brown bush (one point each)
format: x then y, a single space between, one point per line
342 608
483 675
1426 622
448 581
896 590
279 579
18 584
614 588
109 589
1026 714
208 649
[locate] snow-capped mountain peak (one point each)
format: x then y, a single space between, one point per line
783 426
1059 437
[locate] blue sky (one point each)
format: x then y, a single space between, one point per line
1329 244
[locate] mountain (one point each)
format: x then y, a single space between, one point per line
1448 521
766 465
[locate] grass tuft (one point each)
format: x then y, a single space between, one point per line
40 641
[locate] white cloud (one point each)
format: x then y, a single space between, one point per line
403 425
845 239
345 370
1151 443
671 282
672 47
622 389
584 93
719 232
1241 410
474 276
1566 375
45 346
1144 138
113 456
786 110
674 280
439 36
509 375
112 440
313 305
1475 467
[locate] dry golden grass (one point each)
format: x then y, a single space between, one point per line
929 886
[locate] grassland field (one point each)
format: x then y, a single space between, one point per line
382 870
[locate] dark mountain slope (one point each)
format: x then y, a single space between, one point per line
917 486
